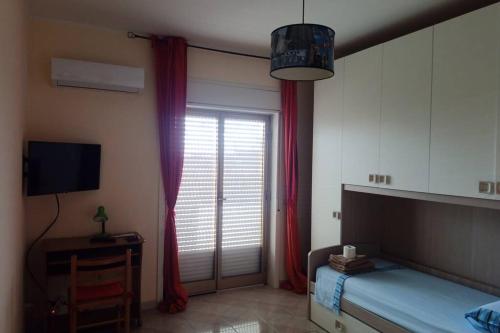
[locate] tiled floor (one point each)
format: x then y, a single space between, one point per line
248 310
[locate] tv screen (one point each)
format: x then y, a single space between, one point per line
62 167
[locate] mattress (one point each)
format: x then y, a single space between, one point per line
416 301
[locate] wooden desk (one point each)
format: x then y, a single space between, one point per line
58 252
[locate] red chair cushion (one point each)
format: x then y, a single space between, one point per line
97 292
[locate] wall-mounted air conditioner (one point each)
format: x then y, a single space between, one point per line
93 75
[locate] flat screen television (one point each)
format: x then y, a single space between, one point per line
55 167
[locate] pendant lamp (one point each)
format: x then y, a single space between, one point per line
302 52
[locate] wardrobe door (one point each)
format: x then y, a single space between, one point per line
465 105
326 175
360 135
406 112
496 9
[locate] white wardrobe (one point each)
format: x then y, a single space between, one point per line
327 153
419 113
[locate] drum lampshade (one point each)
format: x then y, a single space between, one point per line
302 52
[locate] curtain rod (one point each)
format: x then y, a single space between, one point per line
134 35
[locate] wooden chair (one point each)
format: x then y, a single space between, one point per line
97 284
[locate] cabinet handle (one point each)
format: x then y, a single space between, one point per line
487 187
498 187
385 179
372 178
339 327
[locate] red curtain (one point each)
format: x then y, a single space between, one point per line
297 281
171 81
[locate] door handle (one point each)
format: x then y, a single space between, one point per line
339 327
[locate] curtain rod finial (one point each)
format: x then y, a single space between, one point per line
130 34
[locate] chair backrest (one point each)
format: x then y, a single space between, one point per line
101 272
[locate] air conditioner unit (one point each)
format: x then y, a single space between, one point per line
93 75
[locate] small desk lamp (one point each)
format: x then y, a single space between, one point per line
101 217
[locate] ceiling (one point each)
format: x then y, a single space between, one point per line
245 25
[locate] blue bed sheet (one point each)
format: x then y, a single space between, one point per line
416 301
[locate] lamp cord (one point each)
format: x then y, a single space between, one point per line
303 9
32 245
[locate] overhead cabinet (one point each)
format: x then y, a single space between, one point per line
419 113
360 132
326 176
465 97
387 101
406 112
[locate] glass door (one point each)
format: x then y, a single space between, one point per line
243 204
196 207
222 203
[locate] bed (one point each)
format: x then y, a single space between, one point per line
398 299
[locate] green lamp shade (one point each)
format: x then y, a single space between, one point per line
101 215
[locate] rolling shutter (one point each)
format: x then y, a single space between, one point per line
196 208
244 195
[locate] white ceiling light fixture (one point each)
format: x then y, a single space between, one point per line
302 52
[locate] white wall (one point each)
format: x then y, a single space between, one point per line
125 126
123 123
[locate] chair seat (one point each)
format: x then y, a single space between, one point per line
98 292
